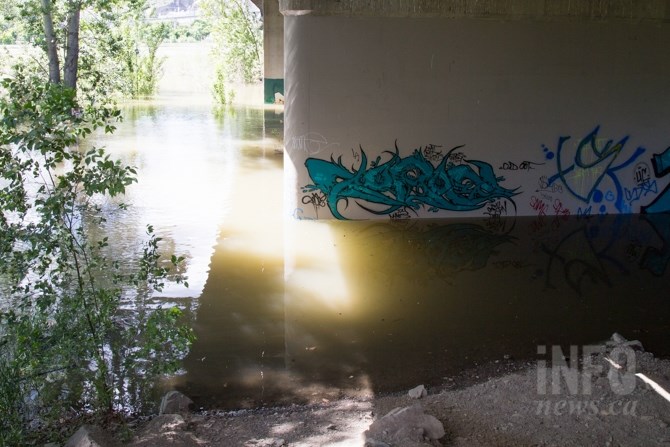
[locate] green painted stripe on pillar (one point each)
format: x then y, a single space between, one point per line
272 87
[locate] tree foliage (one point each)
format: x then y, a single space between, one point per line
64 342
237 32
96 45
140 65
67 346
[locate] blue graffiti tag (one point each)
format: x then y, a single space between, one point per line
411 182
661 204
592 162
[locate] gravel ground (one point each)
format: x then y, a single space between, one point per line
509 405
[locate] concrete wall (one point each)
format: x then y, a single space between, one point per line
438 114
273 54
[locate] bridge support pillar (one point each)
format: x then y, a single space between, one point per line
273 41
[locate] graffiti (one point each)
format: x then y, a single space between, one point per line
583 171
317 200
496 210
539 206
579 261
431 153
641 173
400 214
560 210
299 214
430 248
462 246
523 166
510 264
542 208
584 212
656 260
645 185
411 182
311 143
543 184
456 158
661 203
356 155
640 191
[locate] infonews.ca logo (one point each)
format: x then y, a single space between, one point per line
567 382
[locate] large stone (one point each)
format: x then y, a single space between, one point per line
405 426
175 402
618 340
90 436
165 430
418 392
265 442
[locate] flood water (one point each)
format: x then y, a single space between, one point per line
292 311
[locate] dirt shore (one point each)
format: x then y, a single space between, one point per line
606 401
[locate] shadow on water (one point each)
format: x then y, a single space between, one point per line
374 307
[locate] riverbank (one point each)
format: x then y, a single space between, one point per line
516 405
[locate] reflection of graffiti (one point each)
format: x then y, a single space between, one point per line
432 248
591 162
462 246
661 203
655 260
412 182
579 260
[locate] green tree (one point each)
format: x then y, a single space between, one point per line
141 67
65 343
85 42
237 32
67 348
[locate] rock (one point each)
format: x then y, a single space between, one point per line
90 436
165 423
165 430
175 402
619 340
375 443
266 442
418 392
405 426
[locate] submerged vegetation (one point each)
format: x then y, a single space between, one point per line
79 335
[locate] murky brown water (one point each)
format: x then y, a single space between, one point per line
299 311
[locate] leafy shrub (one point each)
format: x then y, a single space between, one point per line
66 346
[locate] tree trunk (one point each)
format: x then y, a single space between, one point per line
52 48
72 47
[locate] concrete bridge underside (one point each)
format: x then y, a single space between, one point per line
408 109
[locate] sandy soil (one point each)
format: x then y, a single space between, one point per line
605 407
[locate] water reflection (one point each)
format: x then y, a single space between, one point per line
299 311
188 159
369 307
